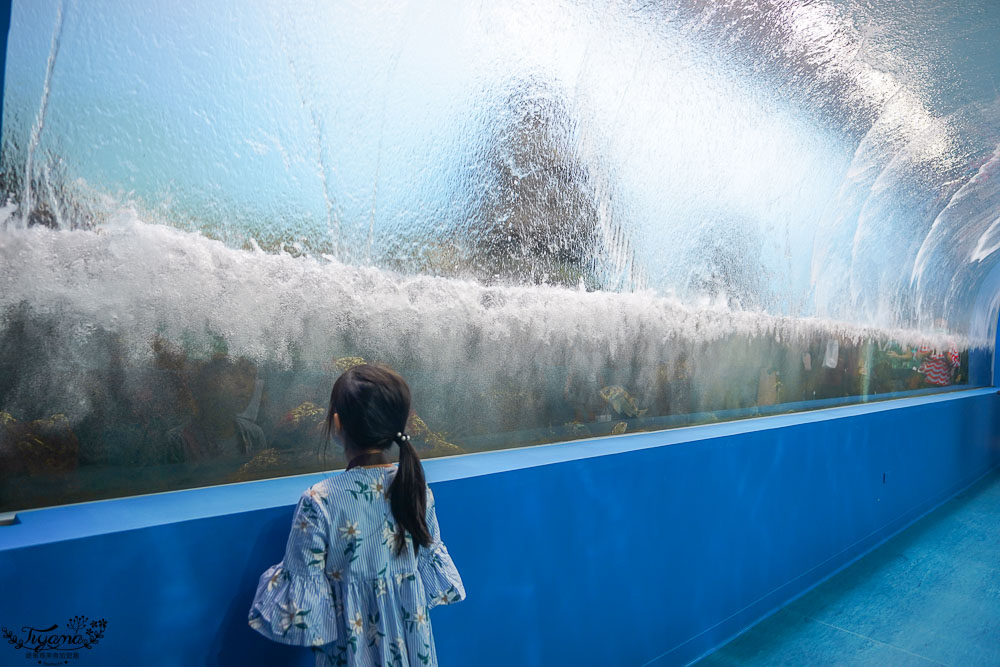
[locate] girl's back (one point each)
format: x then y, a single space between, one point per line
342 588
351 584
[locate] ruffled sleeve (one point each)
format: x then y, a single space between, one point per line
294 601
434 565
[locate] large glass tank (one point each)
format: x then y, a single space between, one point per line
556 219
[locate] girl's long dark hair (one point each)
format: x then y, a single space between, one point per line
373 403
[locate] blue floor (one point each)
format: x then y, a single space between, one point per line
929 596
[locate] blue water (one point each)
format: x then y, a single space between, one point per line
535 202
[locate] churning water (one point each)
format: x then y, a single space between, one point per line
557 219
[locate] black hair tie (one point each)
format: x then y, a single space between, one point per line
401 438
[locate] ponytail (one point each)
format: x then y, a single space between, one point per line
408 498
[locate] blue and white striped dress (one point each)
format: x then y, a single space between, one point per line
342 589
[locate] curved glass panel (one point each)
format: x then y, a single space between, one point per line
556 219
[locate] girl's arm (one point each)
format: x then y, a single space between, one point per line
440 577
294 601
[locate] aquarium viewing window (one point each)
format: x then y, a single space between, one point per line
557 220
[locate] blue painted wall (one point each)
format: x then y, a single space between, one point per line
644 549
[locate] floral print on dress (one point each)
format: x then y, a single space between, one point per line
278 576
388 533
366 490
413 621
447 597
425 656
397 651
342 589
290 615
373 634
318 557
351 534
317 494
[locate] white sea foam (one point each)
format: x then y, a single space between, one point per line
141 281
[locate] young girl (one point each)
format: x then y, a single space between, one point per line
364 561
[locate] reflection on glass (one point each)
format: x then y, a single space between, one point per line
557 220
184 420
